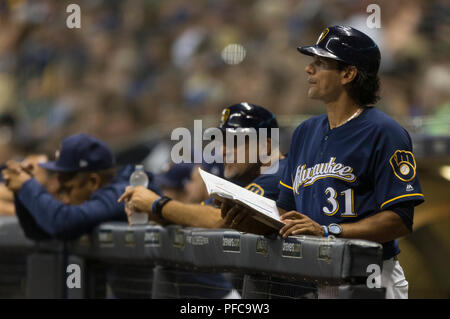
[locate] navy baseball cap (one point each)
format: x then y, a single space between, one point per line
81 152
177 176
348 45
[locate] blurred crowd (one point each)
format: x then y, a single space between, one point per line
142 63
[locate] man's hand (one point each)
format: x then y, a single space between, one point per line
128 210
297 224
240 218
233 215
139 199
15 176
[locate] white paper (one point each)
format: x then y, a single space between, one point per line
265 209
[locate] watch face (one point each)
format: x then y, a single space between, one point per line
334 229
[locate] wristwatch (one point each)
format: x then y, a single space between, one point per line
158 205
335 230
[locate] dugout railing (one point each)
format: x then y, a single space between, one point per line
148 261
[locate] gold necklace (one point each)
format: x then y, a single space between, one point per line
352 117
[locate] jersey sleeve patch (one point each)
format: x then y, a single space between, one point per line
403 164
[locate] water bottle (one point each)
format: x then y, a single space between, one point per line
138 178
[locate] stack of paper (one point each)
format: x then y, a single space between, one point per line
263 209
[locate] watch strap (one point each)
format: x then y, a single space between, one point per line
325 231
158 205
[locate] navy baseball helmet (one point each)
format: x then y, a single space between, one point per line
246 115
348 45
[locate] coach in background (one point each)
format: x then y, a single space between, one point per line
88 191
165 210
196 191
174 180
182 182
351 172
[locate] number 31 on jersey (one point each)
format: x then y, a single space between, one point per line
349 209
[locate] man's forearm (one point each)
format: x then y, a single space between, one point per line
193 215
381 227
6 194
28 224
7 208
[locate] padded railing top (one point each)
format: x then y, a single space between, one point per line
298 257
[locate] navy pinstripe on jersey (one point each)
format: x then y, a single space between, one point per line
351 172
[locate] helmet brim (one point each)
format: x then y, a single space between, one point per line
315 50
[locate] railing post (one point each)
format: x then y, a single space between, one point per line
164 285
76 292
44 276
256 287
